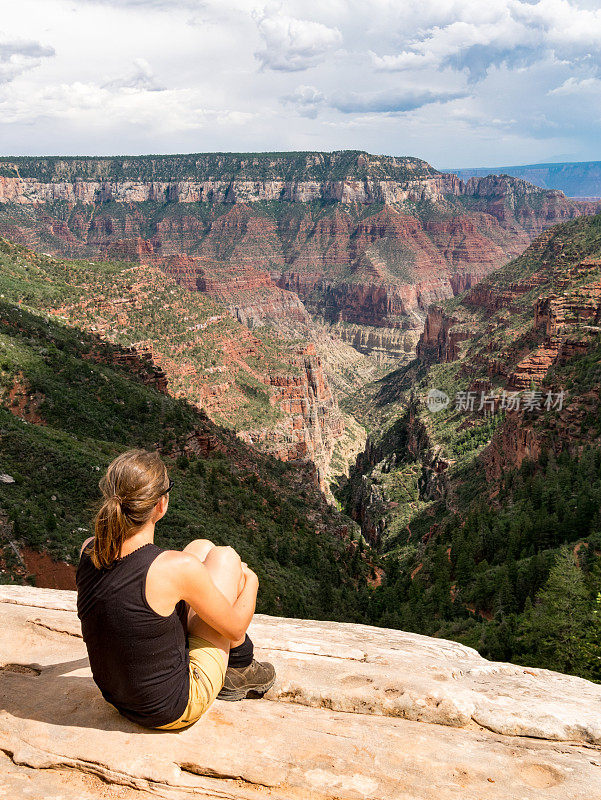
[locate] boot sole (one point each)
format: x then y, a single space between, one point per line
231 695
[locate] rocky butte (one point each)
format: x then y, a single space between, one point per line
356 713
364 243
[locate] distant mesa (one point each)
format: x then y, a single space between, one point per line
580 179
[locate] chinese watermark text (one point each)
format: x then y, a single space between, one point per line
490 402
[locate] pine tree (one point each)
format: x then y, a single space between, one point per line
594 640
506 603
558 629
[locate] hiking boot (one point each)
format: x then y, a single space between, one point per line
240 682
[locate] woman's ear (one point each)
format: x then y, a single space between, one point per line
161 507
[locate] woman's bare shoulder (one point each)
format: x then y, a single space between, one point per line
177 564
176 557
169 579
85 544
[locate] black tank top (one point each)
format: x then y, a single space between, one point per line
139 659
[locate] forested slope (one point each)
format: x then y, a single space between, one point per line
488 508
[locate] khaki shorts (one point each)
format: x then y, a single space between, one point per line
207 674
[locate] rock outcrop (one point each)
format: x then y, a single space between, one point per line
441 338
249 293
519 326
561 323
312 421
356 713
385 345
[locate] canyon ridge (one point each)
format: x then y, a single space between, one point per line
341 254
364 243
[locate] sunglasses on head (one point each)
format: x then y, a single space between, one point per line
168 489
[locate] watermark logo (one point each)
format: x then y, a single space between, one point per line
437 400
491 402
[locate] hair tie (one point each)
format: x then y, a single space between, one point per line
116 496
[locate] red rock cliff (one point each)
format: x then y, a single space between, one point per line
371 247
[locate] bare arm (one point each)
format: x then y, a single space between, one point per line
195 586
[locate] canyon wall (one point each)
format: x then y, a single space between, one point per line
311 423
249 293
364 241
270 388
31 191
519 333
519 327
345 176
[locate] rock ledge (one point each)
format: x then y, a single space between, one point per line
356 712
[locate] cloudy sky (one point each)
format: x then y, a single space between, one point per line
457 82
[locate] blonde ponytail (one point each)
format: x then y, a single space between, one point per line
131 488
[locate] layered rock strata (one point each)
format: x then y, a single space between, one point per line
430 186
312 421
518 327
367 240
441 338
250 294
565 320
272 390
385 345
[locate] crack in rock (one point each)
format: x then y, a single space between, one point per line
55 628
207 772
34 758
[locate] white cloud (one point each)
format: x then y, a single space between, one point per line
452 81
513 32
88 104
306 99
19 55
309 100
573 86
140 77
465 45
161 4
291 44
391 101
562 24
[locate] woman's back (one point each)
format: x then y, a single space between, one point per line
138 657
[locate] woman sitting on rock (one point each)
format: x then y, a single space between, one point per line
165 630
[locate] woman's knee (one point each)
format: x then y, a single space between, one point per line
226 556
224 560
225 568
199 548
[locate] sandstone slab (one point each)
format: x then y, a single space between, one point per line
356 712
